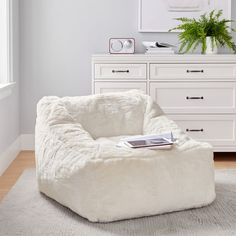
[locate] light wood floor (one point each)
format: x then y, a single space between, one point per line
25 160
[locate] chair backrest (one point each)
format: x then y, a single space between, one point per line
110 114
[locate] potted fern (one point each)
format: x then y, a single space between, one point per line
209 31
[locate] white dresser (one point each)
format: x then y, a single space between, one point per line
197 91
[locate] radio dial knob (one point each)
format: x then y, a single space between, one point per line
128 44
117 45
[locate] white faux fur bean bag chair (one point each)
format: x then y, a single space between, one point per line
80 166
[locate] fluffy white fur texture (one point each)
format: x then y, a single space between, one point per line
79 165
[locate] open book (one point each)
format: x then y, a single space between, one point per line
162 141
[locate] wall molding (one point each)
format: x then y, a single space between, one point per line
9 155
27 142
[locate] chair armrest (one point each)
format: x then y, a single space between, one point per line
160 124
71 131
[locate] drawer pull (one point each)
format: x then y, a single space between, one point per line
195 71
194 130
195 98
120 71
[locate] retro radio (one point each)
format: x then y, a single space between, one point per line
121 45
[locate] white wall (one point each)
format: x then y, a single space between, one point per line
9 106
58 38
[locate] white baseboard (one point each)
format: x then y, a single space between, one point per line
24 142
9 155
27 142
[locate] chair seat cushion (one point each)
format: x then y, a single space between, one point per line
103 182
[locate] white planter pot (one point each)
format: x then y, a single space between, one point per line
211 46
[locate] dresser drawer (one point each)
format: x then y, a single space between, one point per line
121 71
192 71
219 130
195 97
107 87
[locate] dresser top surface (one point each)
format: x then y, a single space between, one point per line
221 58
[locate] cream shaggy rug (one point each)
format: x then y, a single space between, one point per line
26 212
